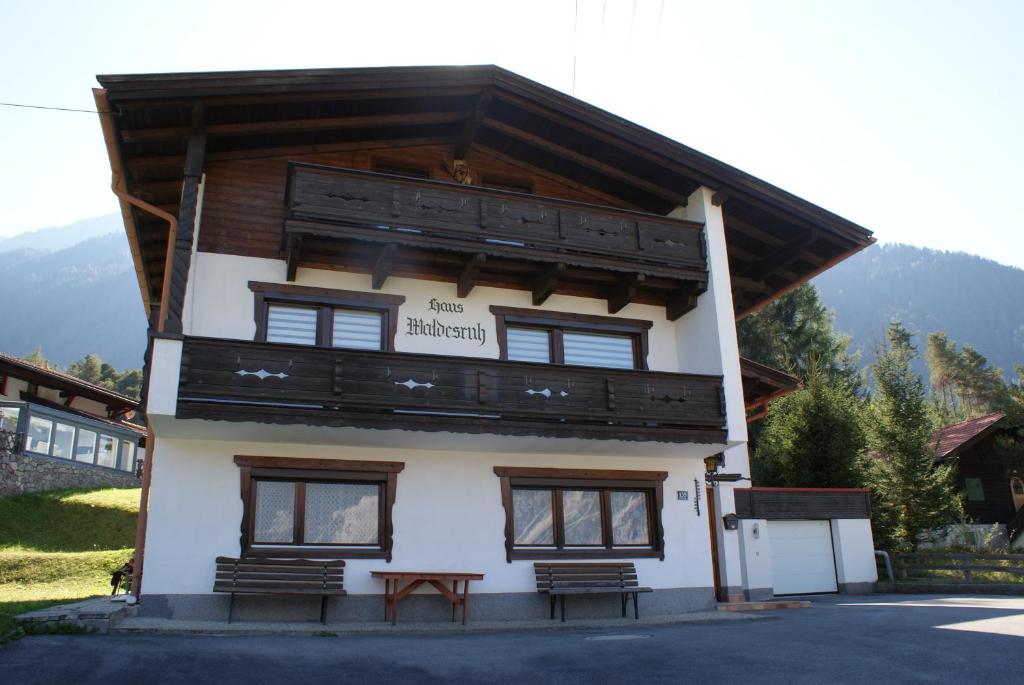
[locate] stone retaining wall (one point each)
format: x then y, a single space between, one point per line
21 473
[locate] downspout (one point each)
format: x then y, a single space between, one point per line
117 185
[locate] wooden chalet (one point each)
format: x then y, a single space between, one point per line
380 292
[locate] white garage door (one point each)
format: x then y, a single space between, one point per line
802 559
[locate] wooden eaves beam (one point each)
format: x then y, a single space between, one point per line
470 274
781 257
295 126
382 267
545 284
293 253
583 160
624 292
681 302
468 134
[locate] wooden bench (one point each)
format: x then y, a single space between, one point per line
280 577
615 577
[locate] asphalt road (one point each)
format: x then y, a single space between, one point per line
876 639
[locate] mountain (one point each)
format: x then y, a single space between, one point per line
72 296
974 300
60 237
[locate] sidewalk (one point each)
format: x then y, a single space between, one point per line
104 616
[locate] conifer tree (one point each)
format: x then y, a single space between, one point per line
813 437
912 494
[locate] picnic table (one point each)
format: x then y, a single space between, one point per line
395 592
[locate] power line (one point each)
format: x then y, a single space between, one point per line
54 109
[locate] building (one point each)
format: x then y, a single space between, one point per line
58 431
441 318
993 493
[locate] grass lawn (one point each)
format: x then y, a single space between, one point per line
61 546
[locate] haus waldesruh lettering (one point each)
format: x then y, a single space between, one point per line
358 355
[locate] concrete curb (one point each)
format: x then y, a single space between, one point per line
162 626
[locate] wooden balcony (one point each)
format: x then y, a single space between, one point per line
469 235
272 383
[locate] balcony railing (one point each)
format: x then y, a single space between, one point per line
468 233
272 383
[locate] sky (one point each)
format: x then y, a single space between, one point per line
903 116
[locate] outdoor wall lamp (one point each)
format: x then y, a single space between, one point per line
712 477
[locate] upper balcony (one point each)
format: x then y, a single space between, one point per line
236 380
386 225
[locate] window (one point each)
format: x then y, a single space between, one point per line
529 345
63 441
552 513
318 507
127 456
287 324
9 418
40 431
324 317
106 452
598 349
544 337
357 329
85 446
975 493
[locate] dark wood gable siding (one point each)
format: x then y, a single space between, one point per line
979 461
243 204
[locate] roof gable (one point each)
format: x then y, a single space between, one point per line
776 240
953 438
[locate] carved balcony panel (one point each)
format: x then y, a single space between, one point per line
434 229
273 383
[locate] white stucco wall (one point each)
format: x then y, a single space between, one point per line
855 551
447 515
713 324
221 306
755 554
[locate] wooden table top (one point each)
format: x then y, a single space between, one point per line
426 575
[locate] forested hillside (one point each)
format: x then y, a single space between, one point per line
973 300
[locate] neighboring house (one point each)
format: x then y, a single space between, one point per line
58 431
991 493
444 318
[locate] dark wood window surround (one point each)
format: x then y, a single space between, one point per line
603 480
253 468
326 299
557 322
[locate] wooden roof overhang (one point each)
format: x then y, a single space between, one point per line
68 386
761 385
775 240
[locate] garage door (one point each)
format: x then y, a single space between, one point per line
802 559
